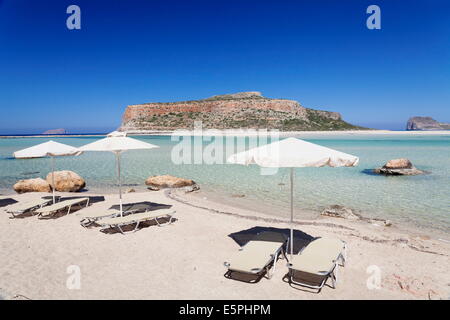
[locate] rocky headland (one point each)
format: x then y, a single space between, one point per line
232 111
426 123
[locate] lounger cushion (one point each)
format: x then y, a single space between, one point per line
328 247
101 214
61 205
254 256
319 256
135 217
312 263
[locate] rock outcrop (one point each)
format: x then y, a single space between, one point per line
66 181
55 131
32 185
426 123
338 211
231 111
167 181
397 167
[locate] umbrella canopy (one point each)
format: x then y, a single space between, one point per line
293 153
47 149
117 142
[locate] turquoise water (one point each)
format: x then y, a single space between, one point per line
417 200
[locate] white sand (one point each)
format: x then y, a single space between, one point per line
185 260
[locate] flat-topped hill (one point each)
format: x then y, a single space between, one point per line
231 111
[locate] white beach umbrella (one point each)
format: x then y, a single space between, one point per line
47 149
293 153
117 142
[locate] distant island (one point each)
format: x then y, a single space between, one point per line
232 111
425 123
55 131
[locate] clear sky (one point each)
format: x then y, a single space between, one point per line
317 52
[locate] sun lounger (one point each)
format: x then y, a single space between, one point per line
90 218
27 206
48 211
137 218
257 258
317 262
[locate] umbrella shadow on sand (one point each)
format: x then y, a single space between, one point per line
301 240
141 206
7 202
138 207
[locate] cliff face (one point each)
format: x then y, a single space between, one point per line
426 123
240 110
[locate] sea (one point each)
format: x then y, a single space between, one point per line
419 201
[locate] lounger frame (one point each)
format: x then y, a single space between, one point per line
30 209
69 207
88 221
267 271
332 273
137 222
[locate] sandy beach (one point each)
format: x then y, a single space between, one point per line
185 259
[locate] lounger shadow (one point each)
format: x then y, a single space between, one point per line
7 202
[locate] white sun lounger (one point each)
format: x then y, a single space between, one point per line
92 217
255 258
137 218
27 206
317 262
48 211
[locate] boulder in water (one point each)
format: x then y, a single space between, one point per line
32 185
66 181
397 167
168 181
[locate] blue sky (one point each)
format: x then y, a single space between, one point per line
319 53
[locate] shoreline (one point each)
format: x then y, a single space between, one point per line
243 132
251 209
227 205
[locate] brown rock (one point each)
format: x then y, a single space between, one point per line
168 181
401 163
66 181
32 185
399 167
239 110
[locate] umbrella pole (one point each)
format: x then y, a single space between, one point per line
53 179
292 212
120 182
